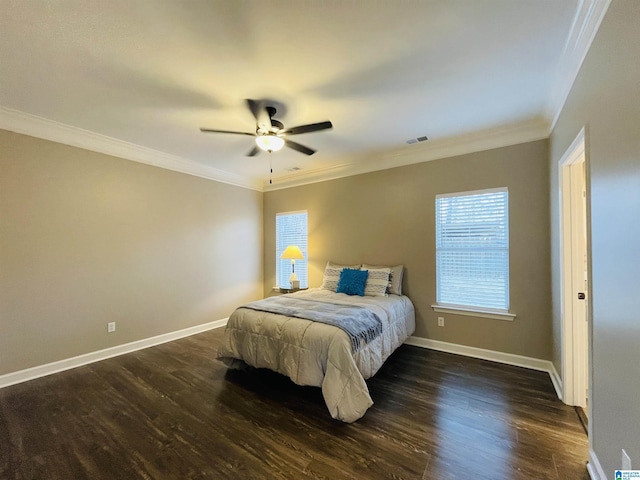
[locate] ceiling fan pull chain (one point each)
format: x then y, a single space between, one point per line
270 168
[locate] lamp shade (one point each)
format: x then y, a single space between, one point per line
292 252
269 143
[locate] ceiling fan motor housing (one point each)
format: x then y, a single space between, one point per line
276 125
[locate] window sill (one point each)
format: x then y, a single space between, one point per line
475 312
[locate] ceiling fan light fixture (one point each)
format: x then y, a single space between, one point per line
269 143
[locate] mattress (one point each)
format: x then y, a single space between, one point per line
317 354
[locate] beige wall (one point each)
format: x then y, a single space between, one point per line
387 217
87 239
606 98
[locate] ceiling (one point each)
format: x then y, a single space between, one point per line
139 78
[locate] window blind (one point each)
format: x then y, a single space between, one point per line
472 249
291 229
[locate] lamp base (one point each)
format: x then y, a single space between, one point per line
293 280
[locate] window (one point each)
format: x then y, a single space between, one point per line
291 229
472 249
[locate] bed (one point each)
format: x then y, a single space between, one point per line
312 352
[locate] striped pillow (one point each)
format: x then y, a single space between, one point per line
377 282
395 279
332 275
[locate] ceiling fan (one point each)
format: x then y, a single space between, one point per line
271 135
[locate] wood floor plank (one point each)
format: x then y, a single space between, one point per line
175 412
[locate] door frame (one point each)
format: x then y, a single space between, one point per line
576 376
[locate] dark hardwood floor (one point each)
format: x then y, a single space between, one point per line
174 412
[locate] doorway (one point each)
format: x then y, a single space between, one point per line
576 274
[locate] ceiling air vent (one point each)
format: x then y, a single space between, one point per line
411 141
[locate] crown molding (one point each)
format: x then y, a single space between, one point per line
529 131
39 127
310 176
586 23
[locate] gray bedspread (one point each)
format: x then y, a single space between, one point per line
360 324
318 354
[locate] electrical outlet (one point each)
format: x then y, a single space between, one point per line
441 321
626 461
111 327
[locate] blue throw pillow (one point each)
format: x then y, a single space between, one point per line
352 281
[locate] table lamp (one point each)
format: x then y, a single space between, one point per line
294 253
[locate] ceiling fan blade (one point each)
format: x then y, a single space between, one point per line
254 151
211 130
261 114
255 108
312 127
298 147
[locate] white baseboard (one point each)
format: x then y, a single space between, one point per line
594 468
492 355
557 381
69 363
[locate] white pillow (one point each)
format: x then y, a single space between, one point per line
332 275
395 279
377 282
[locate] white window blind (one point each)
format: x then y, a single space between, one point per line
472 249
291 229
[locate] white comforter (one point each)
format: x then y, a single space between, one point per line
317 354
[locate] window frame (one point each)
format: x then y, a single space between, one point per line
303 265
474 310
